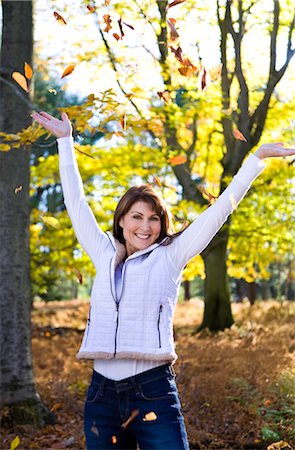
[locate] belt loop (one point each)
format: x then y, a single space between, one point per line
172 371
101 387
135 385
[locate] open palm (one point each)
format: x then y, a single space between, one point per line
59 128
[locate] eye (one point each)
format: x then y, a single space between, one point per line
136 216
155 218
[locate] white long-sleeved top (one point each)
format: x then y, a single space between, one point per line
134 332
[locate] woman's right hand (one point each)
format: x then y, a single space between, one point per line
59 128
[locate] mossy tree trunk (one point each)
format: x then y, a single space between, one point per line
17 387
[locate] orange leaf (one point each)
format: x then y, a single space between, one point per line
21 80
150 416
59 18
123 122
90 8
165 96
28 71
107 20
215 72
56 406
238 135
116 36
173 33
68 70
114 440
174 3
177 160
107 2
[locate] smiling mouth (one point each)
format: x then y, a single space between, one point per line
143 236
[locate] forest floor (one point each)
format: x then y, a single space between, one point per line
237 387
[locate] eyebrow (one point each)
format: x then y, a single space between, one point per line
138 212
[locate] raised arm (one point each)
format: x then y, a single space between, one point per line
201 231
86 228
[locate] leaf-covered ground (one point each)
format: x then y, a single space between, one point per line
236 387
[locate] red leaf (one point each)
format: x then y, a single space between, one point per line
123 122
238 135
59 18
174 3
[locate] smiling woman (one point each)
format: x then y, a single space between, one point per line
129 332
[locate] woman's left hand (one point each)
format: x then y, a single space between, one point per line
273 150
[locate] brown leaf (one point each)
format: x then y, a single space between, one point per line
174 3
59 18
177 53
116 36
28 71
90 8
107 20
56 406
132 416
177 160
21 80
79 275
238 135
17 189
165 96
204 79
68 70
121 28
173 32
123 122
215 72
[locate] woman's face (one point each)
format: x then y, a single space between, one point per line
141 227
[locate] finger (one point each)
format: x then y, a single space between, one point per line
46 115
64 116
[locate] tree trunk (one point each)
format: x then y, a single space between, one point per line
17 382
217 312
187 289
252 292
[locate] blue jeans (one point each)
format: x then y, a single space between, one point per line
142 411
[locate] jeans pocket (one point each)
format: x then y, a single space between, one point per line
93 393
162 388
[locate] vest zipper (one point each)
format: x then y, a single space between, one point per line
88 325
116 319
159 318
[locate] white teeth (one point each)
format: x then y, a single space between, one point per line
142 236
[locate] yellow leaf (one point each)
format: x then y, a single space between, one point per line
4 147
21 80
28 71
52 221
15 443
68 70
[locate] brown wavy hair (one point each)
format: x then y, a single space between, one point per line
143 193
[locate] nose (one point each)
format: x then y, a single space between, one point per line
145 225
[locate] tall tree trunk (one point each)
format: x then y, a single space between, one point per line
187 289
17 382
217 312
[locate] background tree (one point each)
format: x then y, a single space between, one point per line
17 386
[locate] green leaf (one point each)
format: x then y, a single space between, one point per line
268 434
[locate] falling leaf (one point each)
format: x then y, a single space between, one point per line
116 36
52 221
107 20
28 71
18 189
165 96
68 70
173 32
215 72
177 53
121 28
114 440
132 416
56 406
107 2
52 91
204 79
79 275
15 443
177 160
123 122
157 181
187 71
130 95
94 429
238 135
174 3
21 80
211 198
59 18
90 8
127 25
150 416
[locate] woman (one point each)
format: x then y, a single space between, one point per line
132 398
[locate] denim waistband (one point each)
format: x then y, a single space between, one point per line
134 381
